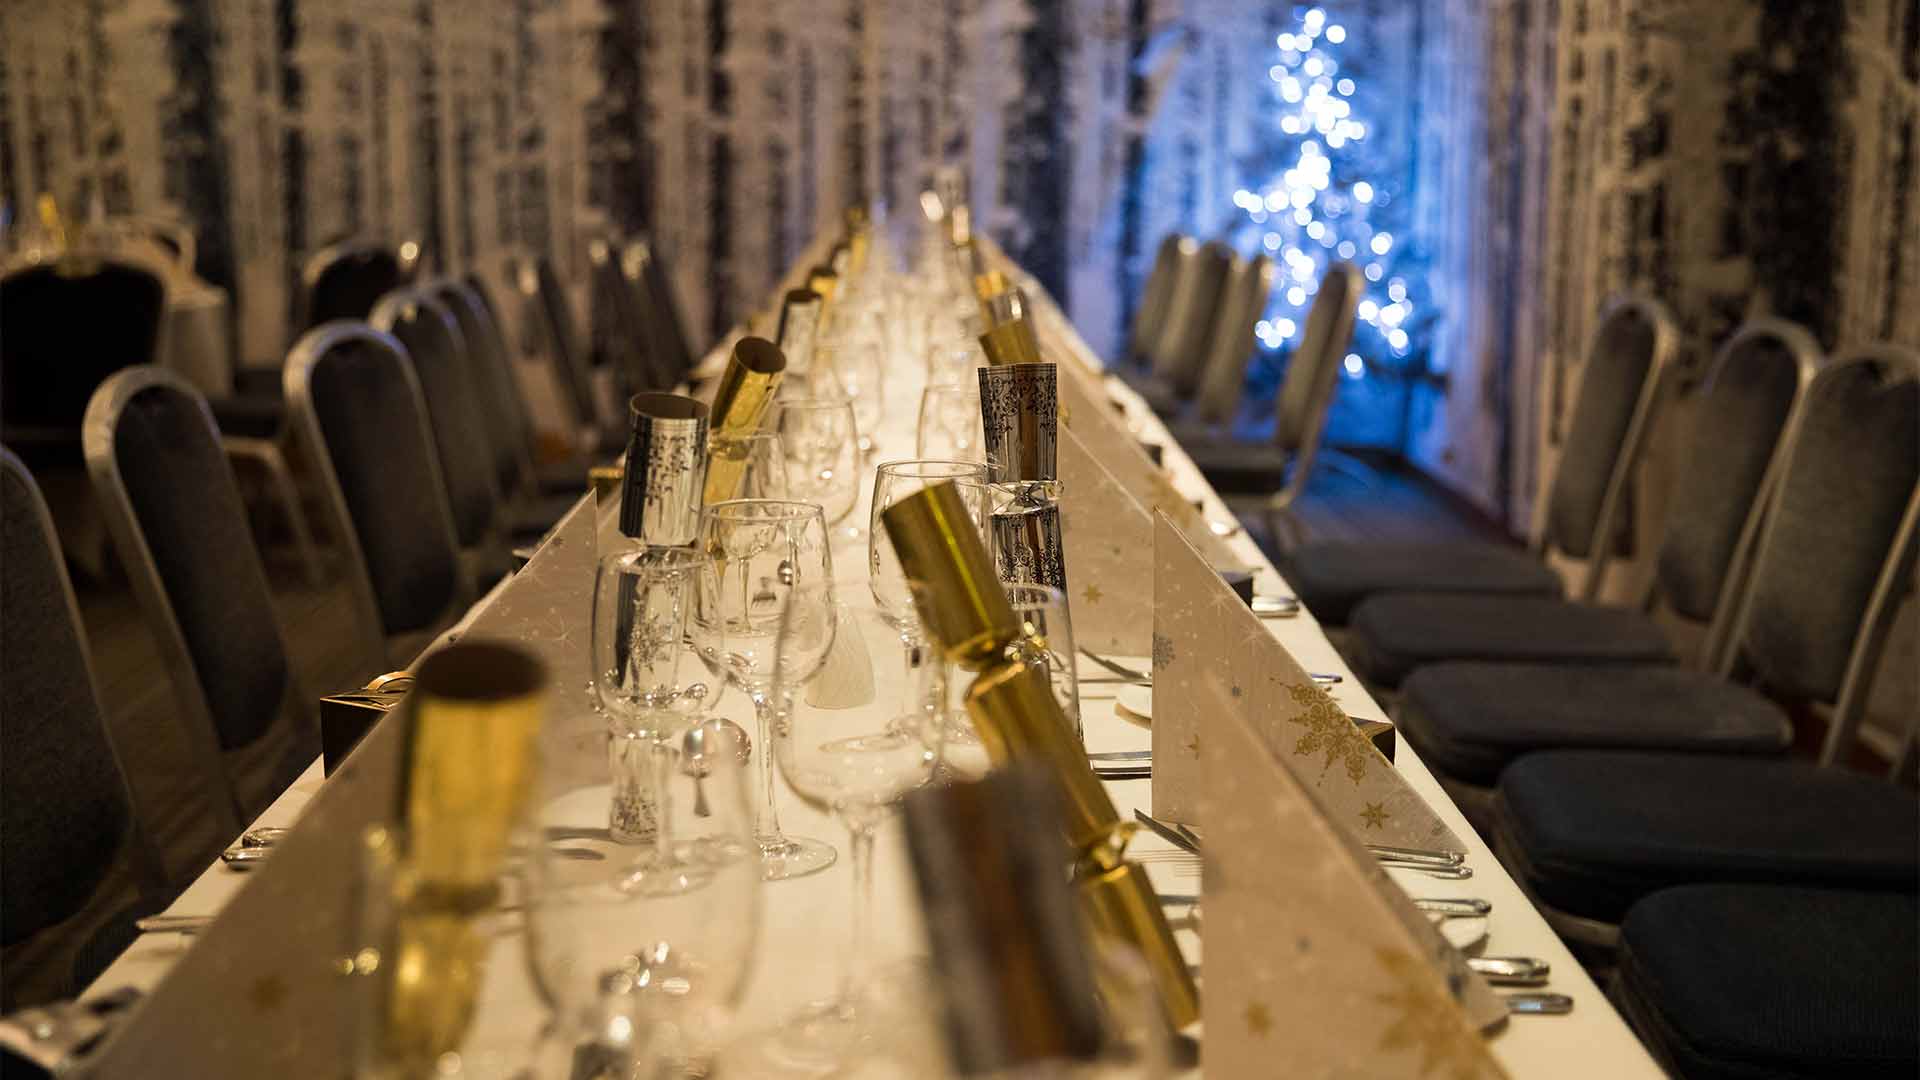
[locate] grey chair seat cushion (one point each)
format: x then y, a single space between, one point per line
1592 831
1330 578
1730 982
1393 633
1468 720
1237 467
1159 396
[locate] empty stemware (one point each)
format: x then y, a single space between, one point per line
820 438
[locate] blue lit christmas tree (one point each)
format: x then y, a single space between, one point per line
1327 192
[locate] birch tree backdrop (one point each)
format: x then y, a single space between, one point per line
1733 157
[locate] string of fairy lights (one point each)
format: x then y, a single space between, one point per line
1323 193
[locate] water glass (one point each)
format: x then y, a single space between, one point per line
954 362
752 466
1048 642
851 367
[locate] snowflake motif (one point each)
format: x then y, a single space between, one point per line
1329 732
1427 1020
1375 815
1163 652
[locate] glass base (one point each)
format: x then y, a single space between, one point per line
654 876
794 856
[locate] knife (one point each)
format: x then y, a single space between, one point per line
1121 755
1538 1004
1161 830
1124 772
1121 670
1424 856
1466 908
1510 970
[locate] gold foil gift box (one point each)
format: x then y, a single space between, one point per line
963 608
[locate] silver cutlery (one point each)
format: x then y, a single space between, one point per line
1538 1004
1510 970
244 858
1126 673
1177 898
263 837
1224 529
1445 873
1463 908
173 924
1121 755
1124 772
1424 856
1169 833
1276 607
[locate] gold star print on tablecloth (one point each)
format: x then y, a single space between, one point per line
1375 815
1193 744
1329 732
267 992
1259 1021
1091 594
1426 1019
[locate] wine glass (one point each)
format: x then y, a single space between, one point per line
634 976
850 367
950 423
820 438
761 550
1048 641
642 599
886 579
751 466
953 363
845 749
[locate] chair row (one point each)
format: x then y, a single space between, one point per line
1649 807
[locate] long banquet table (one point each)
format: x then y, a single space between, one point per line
545 608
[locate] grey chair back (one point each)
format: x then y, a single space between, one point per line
66 323
1182 344
1836 553
1306 391
1224 376
170 503
345 280
1154 296
431 335
671 333
549 311
491 369
1727 472
621 336
357 409
1621 390
66 812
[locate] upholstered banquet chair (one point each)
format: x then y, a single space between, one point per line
1223 372
431 336
548 314
1174 253
1589 832
1726 982
1281 467
1179 349
622 339
1723 485
175 515
674 337
345 280
72 853
1468 719
1620 390
357 410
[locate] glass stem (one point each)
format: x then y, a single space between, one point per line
766 820
662 802
860 835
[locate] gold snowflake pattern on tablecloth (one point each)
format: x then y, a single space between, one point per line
1329 731
1425 1019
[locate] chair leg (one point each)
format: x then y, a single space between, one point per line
1351 467
267 454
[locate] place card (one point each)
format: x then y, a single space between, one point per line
1085 411
1316 963
1109 546
1208 646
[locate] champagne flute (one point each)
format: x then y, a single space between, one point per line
634 977
844 750
641 603
820 438
761 549
950 423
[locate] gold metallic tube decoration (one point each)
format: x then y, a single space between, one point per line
1018 719
746 395
1119 904
1011 343
986 286
960 599
823 280
476 709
